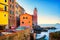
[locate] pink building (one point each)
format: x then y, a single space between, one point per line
35 17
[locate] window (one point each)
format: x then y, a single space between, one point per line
12 1
22 22
29 21
16 12
5 15
5 0
11 6
23 17
5 8
16 6
20 12
11 12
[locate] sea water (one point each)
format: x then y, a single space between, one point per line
49 31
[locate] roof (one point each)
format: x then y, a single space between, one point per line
3 4
20 6
26 13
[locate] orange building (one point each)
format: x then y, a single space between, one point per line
26 20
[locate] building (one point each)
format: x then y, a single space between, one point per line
18 11
10 6
3 5
35 17
11 10
3 13
3 18
26 20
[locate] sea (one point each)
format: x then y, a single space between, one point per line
57 26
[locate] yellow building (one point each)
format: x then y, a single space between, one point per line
3 18
3 12
4 5
4 2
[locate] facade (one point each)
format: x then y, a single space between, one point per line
35 17
3 5
4 2
26 20
3 18
11 10
18 11
3 12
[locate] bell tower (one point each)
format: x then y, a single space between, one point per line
35 16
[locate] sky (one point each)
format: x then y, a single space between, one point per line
48 10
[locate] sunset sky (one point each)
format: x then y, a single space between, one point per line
48 10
